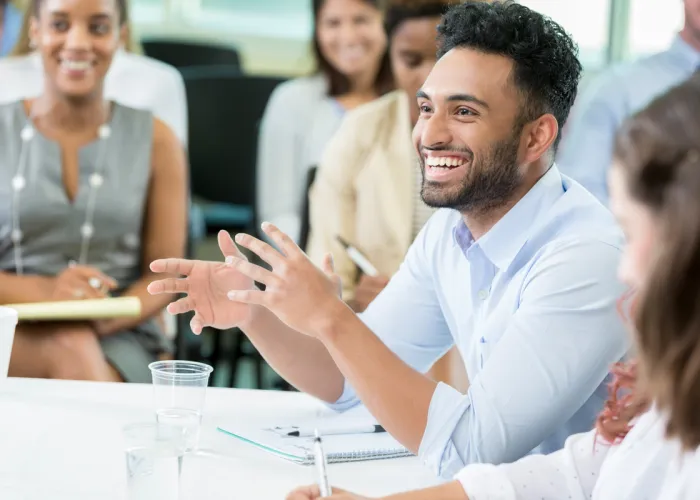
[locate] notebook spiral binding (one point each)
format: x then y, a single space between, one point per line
361 455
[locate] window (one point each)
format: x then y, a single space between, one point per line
653 24
271 35
586 20
147 12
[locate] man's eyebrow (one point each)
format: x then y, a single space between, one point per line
468 98
422 94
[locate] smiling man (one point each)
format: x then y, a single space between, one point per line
517 269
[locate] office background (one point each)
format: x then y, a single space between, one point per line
272 35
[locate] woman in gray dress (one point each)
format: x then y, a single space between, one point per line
90 193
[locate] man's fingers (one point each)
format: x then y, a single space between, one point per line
254 297
197 324
168 285
328 265
310 492
256 273
185 304
261 249
284 242
181 267
227 246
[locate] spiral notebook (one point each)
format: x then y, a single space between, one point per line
338 448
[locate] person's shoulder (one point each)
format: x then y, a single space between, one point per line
19 77
579 223
130 64
378 112
306 89
618 80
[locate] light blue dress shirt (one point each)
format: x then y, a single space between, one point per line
11 26
586 150
531 306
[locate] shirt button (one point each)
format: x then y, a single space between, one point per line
483 294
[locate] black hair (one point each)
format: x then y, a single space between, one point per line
122 8
546 69
399 11
338 83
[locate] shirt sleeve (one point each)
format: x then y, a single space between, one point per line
407 315
570 473
586 150
277 172
555 352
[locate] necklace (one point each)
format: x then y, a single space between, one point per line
19 184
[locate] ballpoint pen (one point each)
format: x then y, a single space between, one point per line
330 430
358 258
320 459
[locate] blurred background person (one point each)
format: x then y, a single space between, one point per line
587 145
92 190
10 25
350 49
133 79
367 187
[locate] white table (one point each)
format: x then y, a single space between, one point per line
62 440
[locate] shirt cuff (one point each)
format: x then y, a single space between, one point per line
485 482
348 399
437 451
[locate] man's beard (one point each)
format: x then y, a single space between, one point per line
488 183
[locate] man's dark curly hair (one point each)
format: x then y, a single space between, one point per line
546 68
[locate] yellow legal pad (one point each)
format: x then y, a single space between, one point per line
73 310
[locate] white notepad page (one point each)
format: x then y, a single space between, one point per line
338 448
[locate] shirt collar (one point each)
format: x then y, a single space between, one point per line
505 239
688 54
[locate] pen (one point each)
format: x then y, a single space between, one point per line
320 459
331 430
358 258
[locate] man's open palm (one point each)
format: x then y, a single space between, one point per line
206 285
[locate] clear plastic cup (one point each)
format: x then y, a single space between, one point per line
179 391
154 455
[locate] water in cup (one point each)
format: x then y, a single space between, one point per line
154 455
179 392
154 473
188 420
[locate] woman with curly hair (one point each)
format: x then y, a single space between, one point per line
651 420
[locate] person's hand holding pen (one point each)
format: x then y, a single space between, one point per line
313 492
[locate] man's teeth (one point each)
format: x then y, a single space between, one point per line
444 161
76 65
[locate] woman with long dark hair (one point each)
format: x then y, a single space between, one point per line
353 68
90 192
645 439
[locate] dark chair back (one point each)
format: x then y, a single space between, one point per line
182 54
306 210
225 108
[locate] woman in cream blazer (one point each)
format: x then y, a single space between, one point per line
365 190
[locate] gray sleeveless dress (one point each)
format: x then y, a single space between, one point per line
51 223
